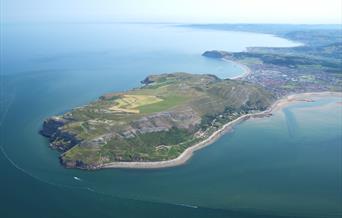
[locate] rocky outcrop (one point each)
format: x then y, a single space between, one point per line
59 139
78 164
215 54
98 141
147 81
51 125
163 121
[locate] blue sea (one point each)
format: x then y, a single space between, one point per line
287 165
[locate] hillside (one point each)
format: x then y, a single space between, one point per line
155 122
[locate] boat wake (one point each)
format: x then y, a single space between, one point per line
187 205
4 153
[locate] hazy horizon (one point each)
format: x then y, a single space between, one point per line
176 11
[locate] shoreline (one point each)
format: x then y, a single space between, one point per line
188 153
246 70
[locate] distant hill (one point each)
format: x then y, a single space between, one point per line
312 35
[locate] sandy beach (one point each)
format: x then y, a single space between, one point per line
246 70
187 154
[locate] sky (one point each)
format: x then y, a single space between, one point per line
178 11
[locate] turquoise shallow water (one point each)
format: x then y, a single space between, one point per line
289 164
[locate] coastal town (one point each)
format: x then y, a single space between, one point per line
284 80
313 67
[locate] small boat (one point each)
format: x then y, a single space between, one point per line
78 179
90 189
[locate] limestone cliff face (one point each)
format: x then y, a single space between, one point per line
59 139
63 140
51 125
164 121
185 118
78 164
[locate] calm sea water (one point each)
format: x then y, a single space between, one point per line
286 165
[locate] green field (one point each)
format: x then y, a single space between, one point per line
133 103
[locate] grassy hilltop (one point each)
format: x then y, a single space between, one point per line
157 121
